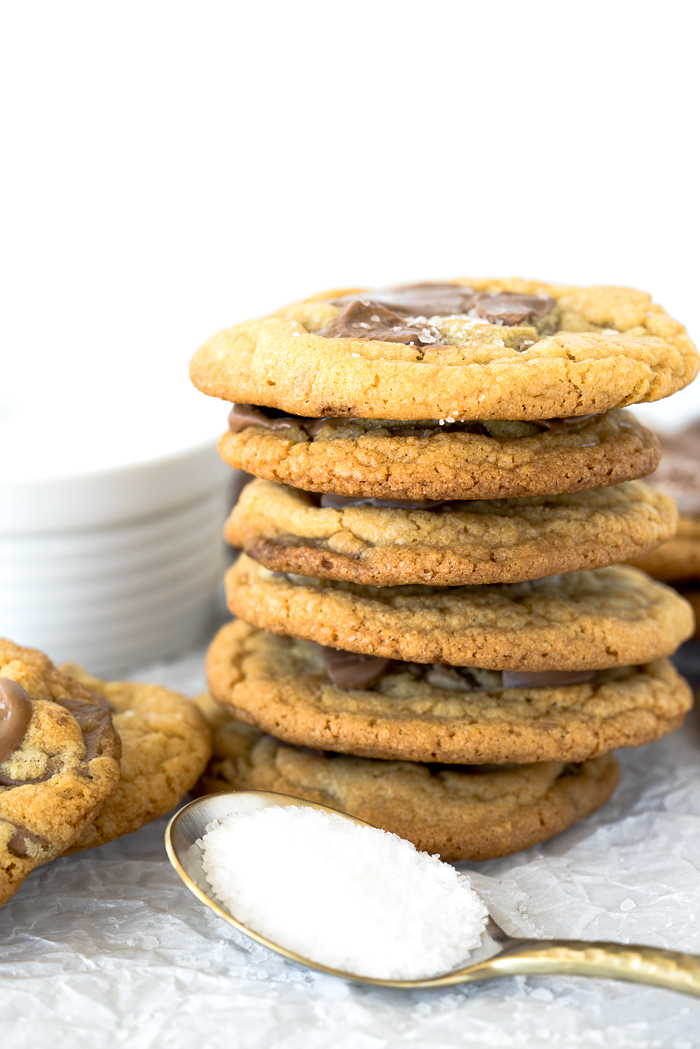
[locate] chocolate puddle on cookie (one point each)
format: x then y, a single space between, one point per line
353 670
242 416
93 717
381 314
15 715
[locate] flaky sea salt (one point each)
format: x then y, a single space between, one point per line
350 897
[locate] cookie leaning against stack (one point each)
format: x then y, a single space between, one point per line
677 561
445 475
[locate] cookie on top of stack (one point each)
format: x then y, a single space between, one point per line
431 634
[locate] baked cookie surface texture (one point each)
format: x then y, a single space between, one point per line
484 541
578 621
467 349
59 762
460 812
427 460
165 746
433 713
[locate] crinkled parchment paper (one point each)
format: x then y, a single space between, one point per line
108 948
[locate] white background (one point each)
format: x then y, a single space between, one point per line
170 169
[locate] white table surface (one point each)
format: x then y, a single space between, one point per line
108 948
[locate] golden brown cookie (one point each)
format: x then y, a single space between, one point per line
464 812
578 621
397 461
692 596
59 762
280 685
678 475
577 350
165 746
678 559
494 541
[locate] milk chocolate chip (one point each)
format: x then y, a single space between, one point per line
431 299
337 502
20 844
575 422
243 415
95 721
351 669
546 678
15 715
509 308
366 319
427 299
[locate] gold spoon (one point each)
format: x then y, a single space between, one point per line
498 954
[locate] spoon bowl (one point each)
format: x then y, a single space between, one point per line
497 955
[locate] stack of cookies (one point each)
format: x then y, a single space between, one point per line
430 632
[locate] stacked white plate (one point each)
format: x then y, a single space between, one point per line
114 564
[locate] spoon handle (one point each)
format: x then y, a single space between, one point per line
652 965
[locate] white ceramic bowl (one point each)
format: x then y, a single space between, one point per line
118 566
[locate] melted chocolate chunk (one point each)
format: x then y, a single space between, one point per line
243 415
546 678
350 670
509 308
575 422
20 841
314 426
365 319
15 715
339 501
431 299
94 718
427 299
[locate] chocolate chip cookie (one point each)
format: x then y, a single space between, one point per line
451 715
678 475
380 543
439 459
464 350
165 746
59 762
579 621
472 812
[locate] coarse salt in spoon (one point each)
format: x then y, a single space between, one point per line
312 898
351 897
